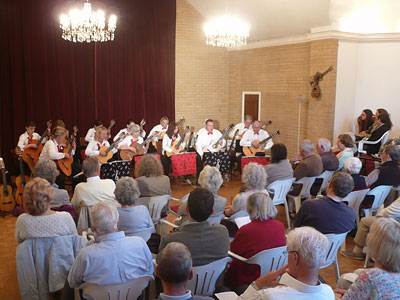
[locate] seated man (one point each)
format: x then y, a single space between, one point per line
307 249
95 189
392 211
329 214
310 164
353 166
115 258
251 137
329 160
175 270
206 242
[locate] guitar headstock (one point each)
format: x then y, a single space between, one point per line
231 126
186 128
142 122
49 123
112 123
18 151
276 133
75 130
181 119
2 166
121 136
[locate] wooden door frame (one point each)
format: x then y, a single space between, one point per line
259 103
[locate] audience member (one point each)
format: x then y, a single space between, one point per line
392 211
254 179
310 164
174 268
307 250
210 178
373 127
329 160
383 281
365 120
345 144
384 124
40 221
353 166
262 233
279 168
150 177
115 258
132 219
329 214
95 189
206 242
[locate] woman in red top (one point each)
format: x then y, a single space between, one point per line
262 233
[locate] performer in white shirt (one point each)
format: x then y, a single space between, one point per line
171 136
162 128
251 137
92 131
129 123
134 137
29 135
242 127
100 140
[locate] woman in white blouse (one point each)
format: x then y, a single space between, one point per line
40 221
170 137
100 140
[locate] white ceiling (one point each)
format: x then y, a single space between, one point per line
270 18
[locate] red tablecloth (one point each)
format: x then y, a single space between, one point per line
183 164
262 160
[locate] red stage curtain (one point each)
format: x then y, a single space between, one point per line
44 77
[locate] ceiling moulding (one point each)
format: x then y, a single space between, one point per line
322 34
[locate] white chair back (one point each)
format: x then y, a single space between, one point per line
354 200
216 220
382 140
380 193
124 291
280 189
155 205
307 183
326 177
205 277
144 234
335 241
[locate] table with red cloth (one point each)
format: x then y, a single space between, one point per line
183 164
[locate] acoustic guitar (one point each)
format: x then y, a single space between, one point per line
108 150
314 82
177 145
231 147
215 146
7 201
31 155
158 144
21 180
128 155
251 151
65 164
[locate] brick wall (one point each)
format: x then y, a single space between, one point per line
210 81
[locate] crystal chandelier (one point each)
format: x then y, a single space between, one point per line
87 26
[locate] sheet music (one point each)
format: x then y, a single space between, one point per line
227 296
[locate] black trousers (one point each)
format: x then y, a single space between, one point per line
199 165
166 162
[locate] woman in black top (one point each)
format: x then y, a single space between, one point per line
384 124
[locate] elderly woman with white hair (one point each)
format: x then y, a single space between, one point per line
210 179
132 219
262 233
353 166
254 179
383 281
306 249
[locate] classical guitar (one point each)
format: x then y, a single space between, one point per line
65 164
215 146
158 144
251 151
314 82
126 154
177 145
31 155
7 202
108 150
21 180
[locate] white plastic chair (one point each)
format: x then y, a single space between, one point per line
205 277
144 234
382 140
124 291
326 177
354 200
182 200
268 260
307 183
335 240
155 205
280 189
380 193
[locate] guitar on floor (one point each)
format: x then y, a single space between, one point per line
31 155
7 201
65 164
108 150
215 146
21 180
128 155
252 150
177 145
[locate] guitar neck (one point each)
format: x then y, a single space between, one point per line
233 140
42 138
21 168
268 138
5 190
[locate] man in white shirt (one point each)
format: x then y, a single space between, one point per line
92 131
29 135
129 124
306 249
161 129
254 136
95 189
241 128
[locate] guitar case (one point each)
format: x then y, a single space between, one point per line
115 170
221 160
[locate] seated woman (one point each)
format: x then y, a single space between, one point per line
367 133
210 178
132 219
169 138
40 221
365 120
254 179
150 178
279 168
262 233
384 124
383 281
353 166
345 144
47 169
100 140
